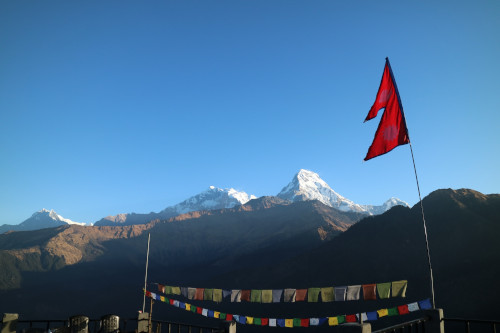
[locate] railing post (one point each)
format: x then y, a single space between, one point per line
435 324
9 322
143 322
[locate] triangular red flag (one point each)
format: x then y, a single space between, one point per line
391 131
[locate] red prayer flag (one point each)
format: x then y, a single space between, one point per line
229 317
304 322
403 309
199 310
351 318
300 295
171 301
391 131
264 321
245 295
369 292
199 294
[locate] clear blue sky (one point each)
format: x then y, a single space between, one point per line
111 107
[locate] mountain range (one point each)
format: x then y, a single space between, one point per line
305 185
268 242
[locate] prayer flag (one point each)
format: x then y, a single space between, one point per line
341 319
168 290
245 295
304 322
229 317
236 295
216 314
256 296
277 295
191 293
425 304
333 321
296 322
391 131
267 296
249 320
382 313
288 322
257 321
171 301
223 316
300 295
327 294
184 291
242 320
162 298
161 288
289 295
176 303
281 322
208 294
399 288
272 322
176 290
204 312
217 295
340 293
369 292
372 315
384 290
413 307
199 294
199 310
351 318
194 309
392 311
188 307
353 292
264 321
210 314
313 294
226 293
182 305
364 317
314 321
236 318
403 309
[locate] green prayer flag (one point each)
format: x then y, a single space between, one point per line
393 311
168 290
193 308
341 319
399 288
257 321
222 315
327 294
176 290
313 294
267 296
256 296
384 290
296 322
208 294
217 295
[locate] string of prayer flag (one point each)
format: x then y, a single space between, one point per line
324 294
295 322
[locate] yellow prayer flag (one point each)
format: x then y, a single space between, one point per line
176 290
216 314
382 312
188 307
162 298
249 320
288 322
333 321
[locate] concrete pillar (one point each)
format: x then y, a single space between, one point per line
435 323
355 328
9 322
143 323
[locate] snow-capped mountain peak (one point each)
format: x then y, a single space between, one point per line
307 185
43 214
213 198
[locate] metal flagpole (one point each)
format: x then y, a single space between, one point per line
146 276
418 186
425 230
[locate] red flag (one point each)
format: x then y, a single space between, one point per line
391 131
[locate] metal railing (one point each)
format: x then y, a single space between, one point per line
417 326
478 324
126 325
